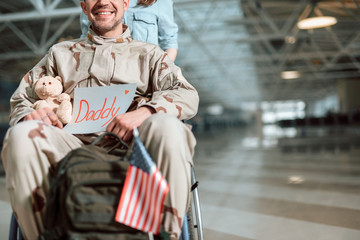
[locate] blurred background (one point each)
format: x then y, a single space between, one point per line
278 128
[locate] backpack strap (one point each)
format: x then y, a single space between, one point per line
53 234
98 139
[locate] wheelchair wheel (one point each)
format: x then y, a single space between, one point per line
188 228
191 223
15 231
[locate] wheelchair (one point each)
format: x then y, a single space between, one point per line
192 224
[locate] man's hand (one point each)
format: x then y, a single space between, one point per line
123 125
46 115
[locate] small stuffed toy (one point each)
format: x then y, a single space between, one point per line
50 90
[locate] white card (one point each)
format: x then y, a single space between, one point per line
95 107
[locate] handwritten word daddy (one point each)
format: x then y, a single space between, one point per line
85 114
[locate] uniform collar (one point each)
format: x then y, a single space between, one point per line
125 37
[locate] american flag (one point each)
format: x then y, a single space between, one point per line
144 192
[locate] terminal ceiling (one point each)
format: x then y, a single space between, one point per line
233 51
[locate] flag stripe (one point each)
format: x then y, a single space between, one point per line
125 193
131 195
139 204
137 193
156 215
164 192
152 201
147 206
153 214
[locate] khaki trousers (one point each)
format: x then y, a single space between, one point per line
32 149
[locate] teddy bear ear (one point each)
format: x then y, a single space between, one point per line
59 78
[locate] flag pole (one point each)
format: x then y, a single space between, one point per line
135 132
151 236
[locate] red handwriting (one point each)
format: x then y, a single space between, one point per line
96 115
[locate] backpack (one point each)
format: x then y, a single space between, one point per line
84 195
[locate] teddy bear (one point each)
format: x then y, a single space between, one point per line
50 91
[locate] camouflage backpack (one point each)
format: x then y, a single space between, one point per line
84 195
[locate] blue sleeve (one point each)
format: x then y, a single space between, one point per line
168 29
84 25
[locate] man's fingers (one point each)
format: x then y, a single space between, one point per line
55 120
45 115
122 132
59 124
128 136
110 126
122 126
35 115
46 119
29 117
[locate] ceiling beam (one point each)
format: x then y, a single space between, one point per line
35 15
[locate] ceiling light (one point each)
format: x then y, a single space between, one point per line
290 39
316 22
290 74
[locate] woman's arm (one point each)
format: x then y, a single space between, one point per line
172 52
168 29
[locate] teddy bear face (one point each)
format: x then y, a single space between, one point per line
47 87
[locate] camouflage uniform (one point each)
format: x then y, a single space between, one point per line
32 148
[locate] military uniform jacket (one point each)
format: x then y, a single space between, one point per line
99 61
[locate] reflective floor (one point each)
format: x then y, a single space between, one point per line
251 189
253 192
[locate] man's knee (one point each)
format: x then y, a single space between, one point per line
164 127
23 132
18 142
165 135
164 124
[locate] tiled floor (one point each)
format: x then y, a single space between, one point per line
260 193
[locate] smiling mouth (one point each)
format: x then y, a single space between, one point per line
103 13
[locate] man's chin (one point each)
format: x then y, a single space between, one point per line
104 27
100 29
